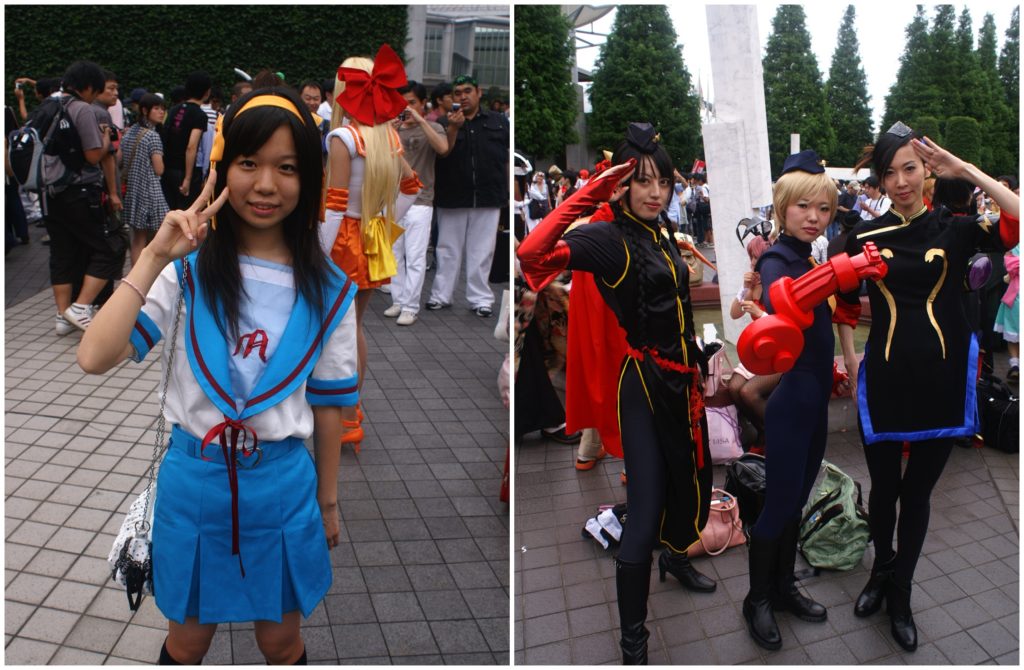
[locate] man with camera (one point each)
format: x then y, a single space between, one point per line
422 141
472 186
81 238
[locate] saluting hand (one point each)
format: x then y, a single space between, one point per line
937 159
183 230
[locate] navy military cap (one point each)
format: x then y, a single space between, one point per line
805 161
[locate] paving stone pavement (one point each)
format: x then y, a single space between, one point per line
422 573
965 596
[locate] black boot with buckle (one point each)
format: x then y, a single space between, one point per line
788 597
870 599
679 566
757 606
632 584
903 629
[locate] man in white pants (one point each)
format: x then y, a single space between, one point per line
422 140
471 188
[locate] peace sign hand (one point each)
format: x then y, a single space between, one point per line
183 229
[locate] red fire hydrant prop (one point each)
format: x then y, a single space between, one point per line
772 344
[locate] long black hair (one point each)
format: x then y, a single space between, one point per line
217 264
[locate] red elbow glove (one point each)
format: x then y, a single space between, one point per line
772 344
542 254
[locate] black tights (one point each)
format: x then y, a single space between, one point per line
648 476
913 491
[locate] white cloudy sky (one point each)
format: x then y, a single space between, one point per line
880 31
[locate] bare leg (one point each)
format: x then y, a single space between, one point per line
187 643
91 287
281 643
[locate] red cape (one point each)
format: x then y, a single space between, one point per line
595 347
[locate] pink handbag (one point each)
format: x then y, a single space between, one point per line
724 528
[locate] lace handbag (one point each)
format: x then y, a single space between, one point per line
131 557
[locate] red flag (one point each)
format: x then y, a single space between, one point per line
698 166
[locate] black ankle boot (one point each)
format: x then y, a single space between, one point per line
302 659
166 658
903 629
870 599
788 597
678 565
757 606
632 584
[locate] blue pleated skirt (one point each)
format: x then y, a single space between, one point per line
281 535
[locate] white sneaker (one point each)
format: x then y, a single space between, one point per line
393 311
406 318
63 327
79 316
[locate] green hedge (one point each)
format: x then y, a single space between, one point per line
156 47
928 126
963 138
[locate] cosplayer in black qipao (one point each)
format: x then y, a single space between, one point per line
644 281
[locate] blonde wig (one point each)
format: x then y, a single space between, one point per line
382 162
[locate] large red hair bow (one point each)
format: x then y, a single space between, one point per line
372 98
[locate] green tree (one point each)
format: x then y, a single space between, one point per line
914 92
1009 74
546 104
847 93
640 76
999 124
793 92
967 79
945 59
1009 60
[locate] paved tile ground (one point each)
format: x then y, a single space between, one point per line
965 598
421 576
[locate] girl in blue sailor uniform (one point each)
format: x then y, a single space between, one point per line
917 380
265 357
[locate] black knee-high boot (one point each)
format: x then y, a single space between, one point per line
678 565
757 606
632 584
787 596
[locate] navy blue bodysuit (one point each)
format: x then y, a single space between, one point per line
796 417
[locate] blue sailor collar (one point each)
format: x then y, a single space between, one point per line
292 361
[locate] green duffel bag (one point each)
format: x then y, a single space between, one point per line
834 528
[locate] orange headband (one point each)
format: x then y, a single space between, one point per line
217 152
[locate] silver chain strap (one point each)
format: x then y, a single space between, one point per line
143 527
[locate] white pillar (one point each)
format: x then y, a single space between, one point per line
736 145
416 44
794 143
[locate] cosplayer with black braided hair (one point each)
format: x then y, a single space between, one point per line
917 380
644 281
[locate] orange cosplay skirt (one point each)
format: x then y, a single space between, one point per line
348 254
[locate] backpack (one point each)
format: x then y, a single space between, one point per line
46 151
999 411
834 529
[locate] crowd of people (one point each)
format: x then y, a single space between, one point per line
263 226
634 380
